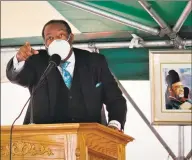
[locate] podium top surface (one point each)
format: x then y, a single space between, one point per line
66 128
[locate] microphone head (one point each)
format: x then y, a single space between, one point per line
55 58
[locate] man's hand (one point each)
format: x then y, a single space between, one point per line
25 52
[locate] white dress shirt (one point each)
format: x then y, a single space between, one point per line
18 66
71 66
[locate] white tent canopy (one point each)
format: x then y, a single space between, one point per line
26 19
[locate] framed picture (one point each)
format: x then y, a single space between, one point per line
171 86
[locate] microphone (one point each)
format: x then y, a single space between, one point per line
54 61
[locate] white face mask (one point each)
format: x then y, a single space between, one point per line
60 47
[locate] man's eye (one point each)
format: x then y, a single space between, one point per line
50 38
62 35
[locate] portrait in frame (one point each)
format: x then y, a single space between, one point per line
171 87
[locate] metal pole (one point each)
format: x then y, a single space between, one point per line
183 17
113 17
105 45
181 144
145 119
153 14
102 45
165 29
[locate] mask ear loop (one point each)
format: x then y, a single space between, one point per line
68 40
69 37
46 47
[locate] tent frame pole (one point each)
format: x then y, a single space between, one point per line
183 17
106 45
165 29
157 135
113 17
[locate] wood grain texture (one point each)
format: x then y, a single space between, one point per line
105 145
121 152
64 141
94 155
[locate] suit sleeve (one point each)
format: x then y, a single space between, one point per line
25 77
18 66
113 98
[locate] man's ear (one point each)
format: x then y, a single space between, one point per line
169 89
71 38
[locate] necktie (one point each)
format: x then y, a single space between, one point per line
66 75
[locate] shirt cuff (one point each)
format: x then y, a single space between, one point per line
18 66
115 123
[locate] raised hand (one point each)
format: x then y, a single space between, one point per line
25 52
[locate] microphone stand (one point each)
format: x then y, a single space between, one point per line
31 107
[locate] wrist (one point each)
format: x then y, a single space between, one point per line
18 58
115 124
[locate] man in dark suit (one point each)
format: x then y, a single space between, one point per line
79 98
175 91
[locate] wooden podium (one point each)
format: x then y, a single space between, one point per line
71 141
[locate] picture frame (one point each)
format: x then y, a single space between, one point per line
170 79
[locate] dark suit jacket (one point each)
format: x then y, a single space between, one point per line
93 69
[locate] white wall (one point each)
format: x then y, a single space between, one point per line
144 147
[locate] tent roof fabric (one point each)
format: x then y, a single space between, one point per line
30 16
168 10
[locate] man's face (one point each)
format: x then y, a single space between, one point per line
56 31
178 90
